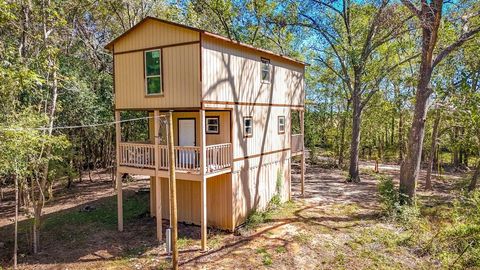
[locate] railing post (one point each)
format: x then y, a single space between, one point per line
118 139
203 164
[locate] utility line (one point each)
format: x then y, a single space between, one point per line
81 126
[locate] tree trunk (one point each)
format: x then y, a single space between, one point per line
455 154
401 144
15 245
392 134
411 166
341 153
353 173
476 175
342 144
433 149
36 227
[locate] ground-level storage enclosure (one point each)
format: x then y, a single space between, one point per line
231 197
219 201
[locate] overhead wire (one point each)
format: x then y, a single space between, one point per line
81 126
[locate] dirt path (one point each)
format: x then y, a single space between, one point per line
334 226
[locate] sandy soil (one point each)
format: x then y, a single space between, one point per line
320 230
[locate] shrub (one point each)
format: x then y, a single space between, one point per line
460 241
390 198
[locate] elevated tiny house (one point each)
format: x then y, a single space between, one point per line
233 107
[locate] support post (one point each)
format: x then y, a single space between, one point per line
203 165
118 139
173 192
152 197
302 130
158 197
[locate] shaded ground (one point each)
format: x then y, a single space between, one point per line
334 226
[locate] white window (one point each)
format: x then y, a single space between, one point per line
247 126
213 125
281 124
153 72
265 70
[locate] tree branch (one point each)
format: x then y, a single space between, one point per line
412 8
463 38
332 45
381 77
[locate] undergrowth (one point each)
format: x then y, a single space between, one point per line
448 233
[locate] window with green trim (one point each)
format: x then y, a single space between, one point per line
153 72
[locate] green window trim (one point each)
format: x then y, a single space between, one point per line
153 72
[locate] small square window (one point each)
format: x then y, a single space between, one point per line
281 124
265 69
247 126
213 125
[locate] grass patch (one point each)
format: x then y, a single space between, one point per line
104 214
135 252
280 249
266 257
274 211
184 242
302 238
343 209
215 241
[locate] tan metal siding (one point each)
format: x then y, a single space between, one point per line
224 134
232 73
255 181
181 79
219 201
152 34
265 137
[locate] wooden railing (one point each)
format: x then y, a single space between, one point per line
187 158
140 155
296 143
219 156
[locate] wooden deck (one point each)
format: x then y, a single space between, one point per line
139 158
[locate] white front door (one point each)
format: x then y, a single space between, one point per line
186 137
186 132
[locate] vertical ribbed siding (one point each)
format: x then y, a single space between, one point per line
219 201
153 33
255 182
265 137
180 74
232 73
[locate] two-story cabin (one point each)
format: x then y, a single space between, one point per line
233 107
